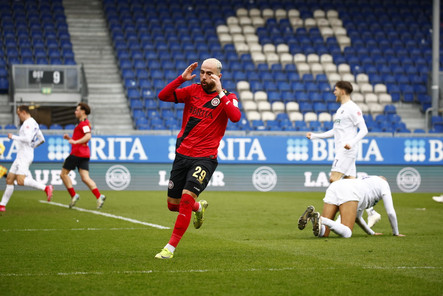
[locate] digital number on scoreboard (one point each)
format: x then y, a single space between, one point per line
45 77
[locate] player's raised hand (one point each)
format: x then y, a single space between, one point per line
308 135
216 80
187 74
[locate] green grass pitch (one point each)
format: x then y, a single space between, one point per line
248 245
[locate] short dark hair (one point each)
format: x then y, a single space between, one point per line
85 107
22 108
345 85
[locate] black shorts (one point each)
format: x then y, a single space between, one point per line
190 173
72 162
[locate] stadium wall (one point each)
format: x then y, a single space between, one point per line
254 163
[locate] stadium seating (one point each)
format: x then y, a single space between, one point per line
33 33
275 53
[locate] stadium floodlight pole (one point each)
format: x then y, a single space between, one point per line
435 56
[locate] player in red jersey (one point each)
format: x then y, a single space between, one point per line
79 156
208 107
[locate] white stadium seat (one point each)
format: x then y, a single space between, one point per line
242 12
267 115
375 109
371 98
292 107
263 106
295 116
278 107
246 95
249 106
310 116
357 97
260 96
324 116
243 85
253 115
385 98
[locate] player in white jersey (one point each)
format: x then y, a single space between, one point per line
29 138
351 197
349 128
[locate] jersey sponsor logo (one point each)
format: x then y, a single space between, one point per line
408 179
118 177
264 179
215 102
201 113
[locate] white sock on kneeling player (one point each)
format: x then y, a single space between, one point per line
336 227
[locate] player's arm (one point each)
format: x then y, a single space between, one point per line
328 134
362 223
230 105
169 94
26 138
82 140
363 131
392 216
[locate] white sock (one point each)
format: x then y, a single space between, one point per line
170 248
370 211
338 228
7 195
34 184
322 231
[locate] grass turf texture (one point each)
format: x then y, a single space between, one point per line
248 245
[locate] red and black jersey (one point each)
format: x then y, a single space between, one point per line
81 150
205 117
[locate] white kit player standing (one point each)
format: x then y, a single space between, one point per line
29 138
349 128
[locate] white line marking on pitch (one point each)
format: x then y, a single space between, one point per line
73 229
200 271
106 215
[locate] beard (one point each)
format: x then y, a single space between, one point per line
207 86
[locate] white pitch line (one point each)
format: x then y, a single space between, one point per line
106 215
72 273
72 229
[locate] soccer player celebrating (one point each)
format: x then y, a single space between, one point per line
79 156
351 197
29 137
349 128
205 116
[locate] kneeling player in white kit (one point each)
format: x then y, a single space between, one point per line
351 197
29 137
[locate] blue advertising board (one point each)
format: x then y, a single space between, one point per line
426 151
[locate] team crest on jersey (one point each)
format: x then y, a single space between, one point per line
215 102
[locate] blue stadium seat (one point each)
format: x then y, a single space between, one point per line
55 126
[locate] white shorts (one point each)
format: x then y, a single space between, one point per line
340 192
20 166
344 163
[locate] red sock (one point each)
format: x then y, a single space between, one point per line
195 206
71 191
183 219
96 192
173 207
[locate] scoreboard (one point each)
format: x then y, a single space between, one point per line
44 76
